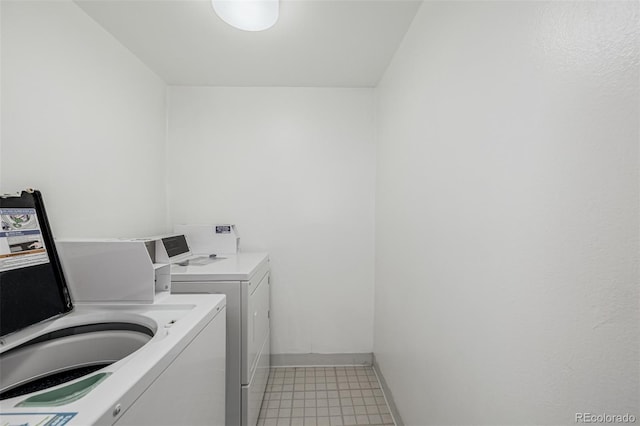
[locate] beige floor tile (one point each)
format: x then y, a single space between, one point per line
375 419
349 420
348 410
324 421
284 412
362 420
322 411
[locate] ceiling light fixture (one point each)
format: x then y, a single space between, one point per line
248 15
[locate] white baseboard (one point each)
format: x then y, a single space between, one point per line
387 392
308 360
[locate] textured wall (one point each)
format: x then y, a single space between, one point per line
507 213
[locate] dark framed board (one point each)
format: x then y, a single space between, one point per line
32 285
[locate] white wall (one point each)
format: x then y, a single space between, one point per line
83 120
507 213
294 169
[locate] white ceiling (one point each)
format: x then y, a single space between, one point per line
324 43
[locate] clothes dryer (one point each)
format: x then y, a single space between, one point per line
244 279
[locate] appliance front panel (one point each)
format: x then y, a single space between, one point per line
236 293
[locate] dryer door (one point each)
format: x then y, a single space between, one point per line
258 322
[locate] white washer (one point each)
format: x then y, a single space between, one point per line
244 279
125 363
176 377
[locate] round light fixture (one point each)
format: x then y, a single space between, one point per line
248 15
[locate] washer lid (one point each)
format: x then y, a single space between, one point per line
32 285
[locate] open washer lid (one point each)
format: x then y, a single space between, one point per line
32 285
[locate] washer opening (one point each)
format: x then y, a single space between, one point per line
67 354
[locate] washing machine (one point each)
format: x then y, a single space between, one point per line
244 279
96 363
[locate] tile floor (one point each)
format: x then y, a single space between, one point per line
324 396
